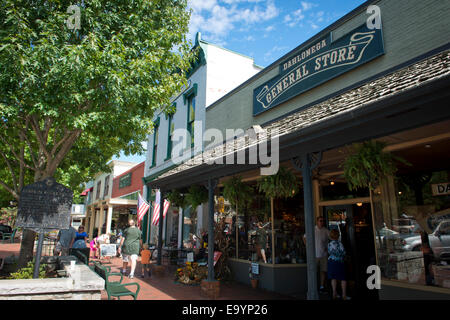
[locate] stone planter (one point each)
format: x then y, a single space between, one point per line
80 284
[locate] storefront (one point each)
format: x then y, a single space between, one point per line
394 88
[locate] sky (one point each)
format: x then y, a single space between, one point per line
264 30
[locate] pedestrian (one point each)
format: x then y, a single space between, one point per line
131 242
336 266
261 241
145 260
80 238
64 241
321 235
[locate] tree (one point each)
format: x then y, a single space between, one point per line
84 91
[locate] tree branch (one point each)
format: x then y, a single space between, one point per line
13 175
42 141
15 194
21 160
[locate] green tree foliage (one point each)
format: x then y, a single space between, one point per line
70 99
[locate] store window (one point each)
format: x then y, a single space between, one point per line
189 228
412 225
252 230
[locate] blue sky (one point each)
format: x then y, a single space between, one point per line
262 29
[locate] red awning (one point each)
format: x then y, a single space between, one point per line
85 192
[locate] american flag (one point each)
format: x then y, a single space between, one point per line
155 218
142 208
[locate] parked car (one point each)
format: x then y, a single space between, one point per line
405 225
439 241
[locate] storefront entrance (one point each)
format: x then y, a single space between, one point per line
354 223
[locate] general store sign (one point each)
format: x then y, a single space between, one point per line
441 189
315 64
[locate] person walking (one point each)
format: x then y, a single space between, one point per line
321 237
336 266
131 242
64 241
145 260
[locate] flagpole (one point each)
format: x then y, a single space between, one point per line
148 224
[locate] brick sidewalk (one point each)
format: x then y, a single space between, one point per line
165 288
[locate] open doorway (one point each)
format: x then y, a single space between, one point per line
354 223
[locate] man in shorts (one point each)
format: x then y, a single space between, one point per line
130 244
64 241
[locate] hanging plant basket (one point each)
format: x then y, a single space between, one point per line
237 192
196 196
284 184
368 165
176 199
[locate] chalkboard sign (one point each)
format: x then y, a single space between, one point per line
44 205
108 250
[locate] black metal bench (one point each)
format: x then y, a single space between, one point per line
115 288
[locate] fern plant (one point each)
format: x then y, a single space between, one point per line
283 184
176 199
368 165
237 192
196 196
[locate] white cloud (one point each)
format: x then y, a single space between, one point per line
307 5
215 19
293 19
275 53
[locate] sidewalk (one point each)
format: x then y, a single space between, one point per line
165 288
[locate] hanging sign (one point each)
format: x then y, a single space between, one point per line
441 189
315 64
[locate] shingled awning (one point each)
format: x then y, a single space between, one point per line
414 95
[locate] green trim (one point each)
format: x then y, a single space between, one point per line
152 177
190 92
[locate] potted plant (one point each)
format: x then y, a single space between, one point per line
368 165
196 196
176 198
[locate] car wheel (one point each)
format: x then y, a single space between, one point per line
416 248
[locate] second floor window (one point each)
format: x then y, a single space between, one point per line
155 145
169 142
191 118
97 194
106 190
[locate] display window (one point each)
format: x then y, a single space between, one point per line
412 211
259 238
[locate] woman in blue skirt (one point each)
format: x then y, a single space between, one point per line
336 266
